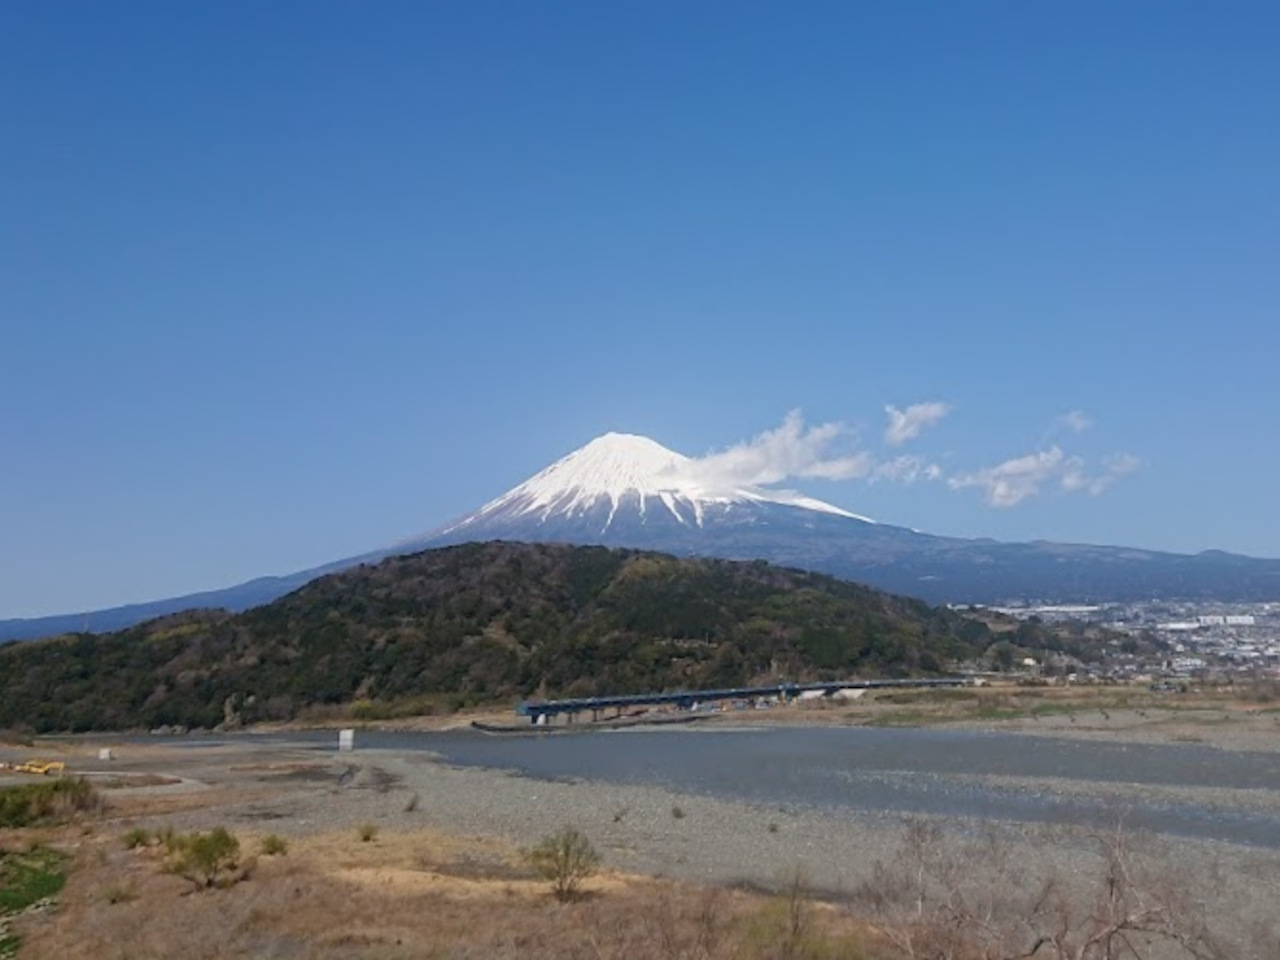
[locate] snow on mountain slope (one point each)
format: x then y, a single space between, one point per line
624 471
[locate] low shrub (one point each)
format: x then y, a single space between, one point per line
367 832
274 846
207 859
49 802
119 893
565 859
168 839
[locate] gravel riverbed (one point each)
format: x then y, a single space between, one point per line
652 830
266 785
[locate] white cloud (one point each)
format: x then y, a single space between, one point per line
907 424
1077 421
791 450
829 451
906 469
1010 483
1013 481
1074 478
1115 466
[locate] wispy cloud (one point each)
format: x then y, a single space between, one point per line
792 450
906 469
1075 421
1010 483
1114 467
830 451
907 424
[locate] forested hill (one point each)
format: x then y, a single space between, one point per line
477 623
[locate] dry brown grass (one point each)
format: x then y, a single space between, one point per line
1244 715
412 896
127 806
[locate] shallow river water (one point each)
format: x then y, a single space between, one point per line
868 770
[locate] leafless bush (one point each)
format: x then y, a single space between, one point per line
938 901
797 927
676 928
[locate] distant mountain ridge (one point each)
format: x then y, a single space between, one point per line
629 491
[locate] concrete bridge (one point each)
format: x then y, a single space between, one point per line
540 711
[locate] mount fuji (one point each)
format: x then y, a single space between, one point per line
620 487
629 491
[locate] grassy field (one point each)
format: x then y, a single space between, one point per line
27 878
416 895
420 894
81 879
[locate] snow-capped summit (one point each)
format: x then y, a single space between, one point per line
624 478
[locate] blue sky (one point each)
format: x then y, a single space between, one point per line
282 282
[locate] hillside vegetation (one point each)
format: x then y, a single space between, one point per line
478 623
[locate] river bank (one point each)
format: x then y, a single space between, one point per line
648 819
1237 717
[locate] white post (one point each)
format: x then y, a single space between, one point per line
346 739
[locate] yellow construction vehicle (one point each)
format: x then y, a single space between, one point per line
44 767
